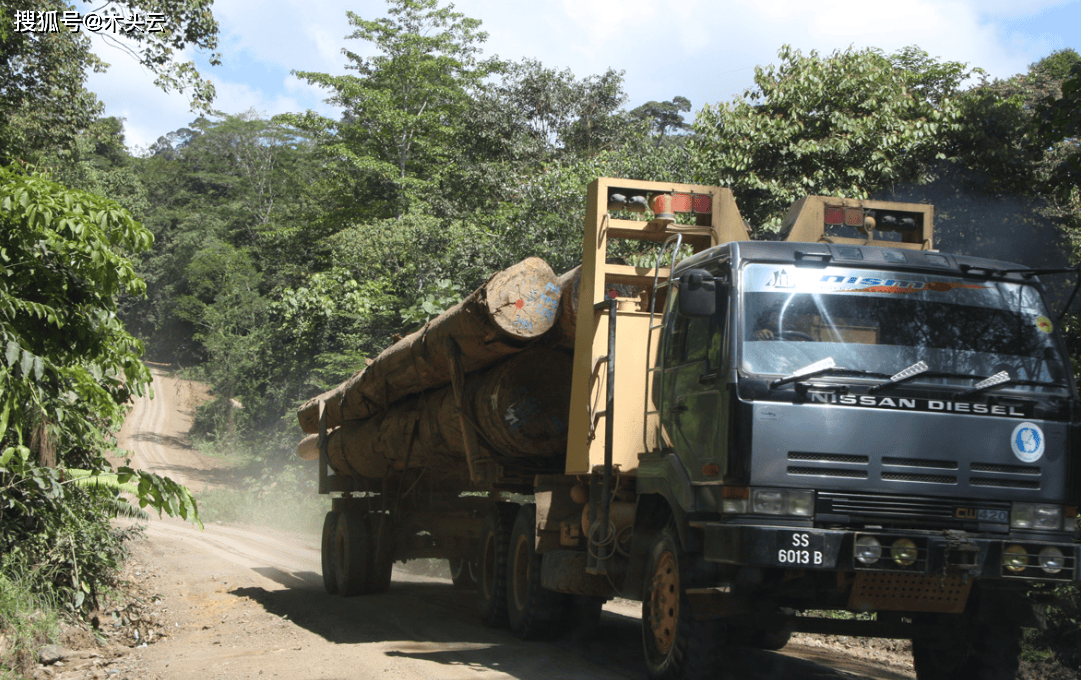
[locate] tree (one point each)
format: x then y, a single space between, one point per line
66 375
842 125
663 117
43 103
404 108
1061 124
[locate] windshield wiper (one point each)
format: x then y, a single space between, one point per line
988 384
824 367
997 380
916 369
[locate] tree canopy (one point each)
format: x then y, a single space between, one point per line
841 125
43 101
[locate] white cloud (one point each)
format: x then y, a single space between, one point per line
128 91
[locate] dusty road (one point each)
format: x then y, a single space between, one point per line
237 602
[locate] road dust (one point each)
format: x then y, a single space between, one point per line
235 602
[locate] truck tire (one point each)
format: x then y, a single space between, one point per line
677 646
330 578
463 573
381 553
492 564
534 612
978 651
350 551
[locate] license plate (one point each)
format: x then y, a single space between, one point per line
799 549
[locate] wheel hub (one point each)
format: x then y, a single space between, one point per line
664 602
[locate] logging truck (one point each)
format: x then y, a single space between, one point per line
844 431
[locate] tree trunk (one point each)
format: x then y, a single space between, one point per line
502 317
519 408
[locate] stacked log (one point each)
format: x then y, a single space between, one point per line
519 409
567 323
506 314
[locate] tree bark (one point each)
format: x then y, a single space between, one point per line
519 408
502 317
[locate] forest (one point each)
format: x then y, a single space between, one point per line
269 257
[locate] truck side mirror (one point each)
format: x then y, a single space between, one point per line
697 293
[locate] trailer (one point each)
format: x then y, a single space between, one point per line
842 432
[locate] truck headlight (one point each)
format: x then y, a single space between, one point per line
868 549
767 501
801 503
791 502
1052 560
904 552
1036 516
1015 558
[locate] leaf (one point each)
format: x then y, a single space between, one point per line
12 352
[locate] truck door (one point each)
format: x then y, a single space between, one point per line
693 409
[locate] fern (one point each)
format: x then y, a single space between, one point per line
119 506
101 480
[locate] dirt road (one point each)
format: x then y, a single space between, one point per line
237 602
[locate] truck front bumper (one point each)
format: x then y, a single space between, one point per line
914 552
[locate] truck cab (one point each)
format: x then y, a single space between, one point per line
871 427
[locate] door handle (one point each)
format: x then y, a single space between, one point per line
681 408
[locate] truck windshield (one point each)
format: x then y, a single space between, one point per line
882 322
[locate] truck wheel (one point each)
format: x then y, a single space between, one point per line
534 611
492 564
979 651
463 573
330 579
381 564
677 647
350 550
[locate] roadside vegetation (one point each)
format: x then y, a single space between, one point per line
272 256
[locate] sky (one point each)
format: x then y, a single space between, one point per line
705 50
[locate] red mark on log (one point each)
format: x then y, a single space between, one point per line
519 304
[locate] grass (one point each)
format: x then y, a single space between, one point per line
27 622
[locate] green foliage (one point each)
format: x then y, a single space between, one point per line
43 104
843 125
402 108
62 265
67 372
1061 124
663 117
28 619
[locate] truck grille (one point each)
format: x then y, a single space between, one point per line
886 508
914 470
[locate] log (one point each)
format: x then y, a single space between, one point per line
569 283
502 317
308 448
519 407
